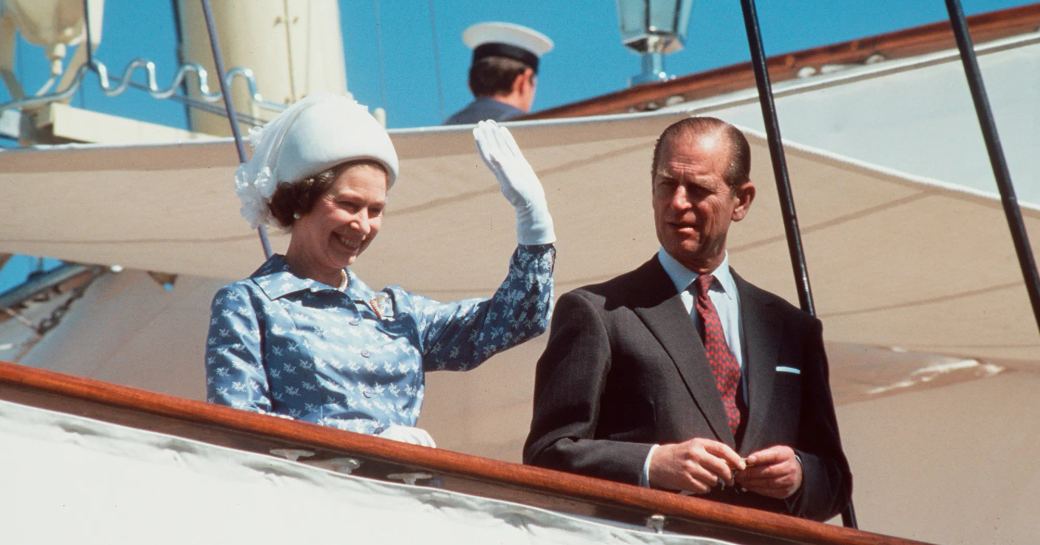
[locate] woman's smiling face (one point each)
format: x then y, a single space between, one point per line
341 224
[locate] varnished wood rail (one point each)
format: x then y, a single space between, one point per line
454 471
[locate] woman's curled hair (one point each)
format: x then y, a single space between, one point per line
299 197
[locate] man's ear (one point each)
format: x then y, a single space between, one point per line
521 80
745 194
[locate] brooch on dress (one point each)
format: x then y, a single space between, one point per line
382 306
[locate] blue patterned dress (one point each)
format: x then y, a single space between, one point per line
354 360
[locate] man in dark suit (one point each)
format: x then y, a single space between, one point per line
681 375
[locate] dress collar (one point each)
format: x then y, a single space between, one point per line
276 280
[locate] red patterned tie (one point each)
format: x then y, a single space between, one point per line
723 365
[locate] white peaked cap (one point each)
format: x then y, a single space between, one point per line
314 134
484 37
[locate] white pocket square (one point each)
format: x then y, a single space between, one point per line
785 369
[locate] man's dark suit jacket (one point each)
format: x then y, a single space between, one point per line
625 368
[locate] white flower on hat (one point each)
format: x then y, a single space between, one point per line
314 134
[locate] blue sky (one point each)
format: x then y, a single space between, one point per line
389 49
390 44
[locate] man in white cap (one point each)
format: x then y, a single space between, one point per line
502 75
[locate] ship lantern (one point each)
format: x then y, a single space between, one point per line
653 28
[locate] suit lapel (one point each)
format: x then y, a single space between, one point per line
659 307
763 332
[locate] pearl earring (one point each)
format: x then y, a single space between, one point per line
296 215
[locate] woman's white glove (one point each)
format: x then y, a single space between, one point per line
408 434
518 181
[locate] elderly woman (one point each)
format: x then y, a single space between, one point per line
303 336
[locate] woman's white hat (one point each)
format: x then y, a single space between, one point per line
314 134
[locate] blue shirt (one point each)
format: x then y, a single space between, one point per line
723 294
355 359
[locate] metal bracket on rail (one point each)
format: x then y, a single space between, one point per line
656 523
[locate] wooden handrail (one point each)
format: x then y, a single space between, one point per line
892 45
534 486
460 472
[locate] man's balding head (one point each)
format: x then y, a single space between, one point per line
739 169
700 186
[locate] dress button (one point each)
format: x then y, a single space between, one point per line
355 321
365 353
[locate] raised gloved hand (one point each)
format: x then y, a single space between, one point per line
408 434
518 181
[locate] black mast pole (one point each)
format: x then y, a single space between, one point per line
776 154
232 115
783 183
996 156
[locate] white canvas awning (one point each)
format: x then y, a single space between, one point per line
894 260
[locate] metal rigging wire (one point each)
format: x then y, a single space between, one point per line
114 86
218 62
436 60
379 51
